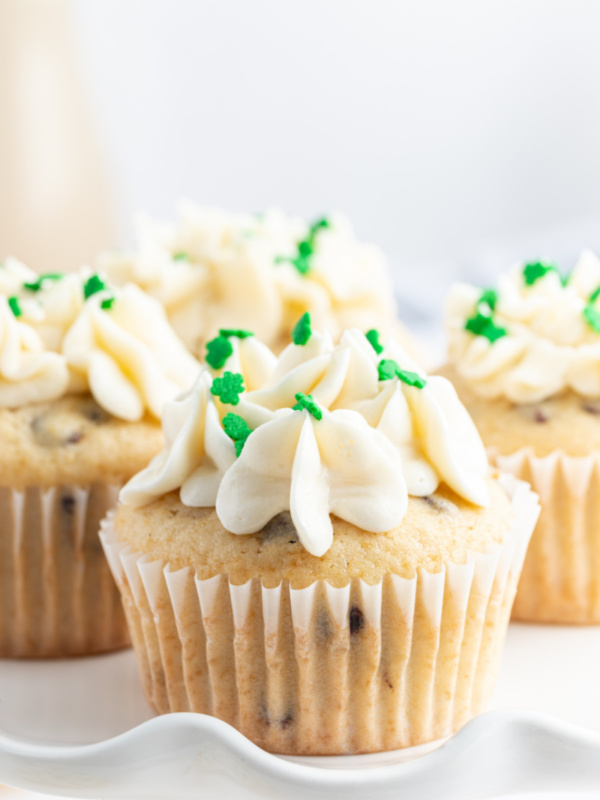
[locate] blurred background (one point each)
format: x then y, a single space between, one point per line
458 136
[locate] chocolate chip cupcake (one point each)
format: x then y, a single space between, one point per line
322 560
525 360
84 373
215 269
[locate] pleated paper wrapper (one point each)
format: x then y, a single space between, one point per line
57 595
561 575
323 670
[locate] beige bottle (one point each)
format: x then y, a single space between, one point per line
54 199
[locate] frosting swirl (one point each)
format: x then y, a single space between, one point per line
74 333
341 430
535 336
217 269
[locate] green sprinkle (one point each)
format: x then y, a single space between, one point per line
93 285
304 402
108 303
389 369
306 248
218 351
373 339
592 317
302 330
238 333
535 270
595 295
489 298
483 325
238 430
181 256
15 306
228 387
48 276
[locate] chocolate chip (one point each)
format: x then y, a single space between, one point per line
92 411
286 721
67 502
388 682
592 408
440 504
74 437
357 620
541 416
48 431
280 525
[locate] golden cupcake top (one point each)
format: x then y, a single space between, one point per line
74 333
534 336
349 430
216 269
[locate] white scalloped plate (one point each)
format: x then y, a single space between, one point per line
80 728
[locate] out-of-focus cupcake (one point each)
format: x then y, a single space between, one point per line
84 373
215 269
525 359
322 559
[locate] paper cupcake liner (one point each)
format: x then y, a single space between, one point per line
57 595
561 575
323 670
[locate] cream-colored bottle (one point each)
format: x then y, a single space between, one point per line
55 209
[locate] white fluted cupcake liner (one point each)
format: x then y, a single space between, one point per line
561 575
57 595
326 670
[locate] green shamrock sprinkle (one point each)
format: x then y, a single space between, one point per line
535 270
218 351
228 387
373 339
388 369
93 285
304 402
238 333
181 256
302 330
489 298
238 430
15 306
36 286
108 303
305 248
592 317
483 325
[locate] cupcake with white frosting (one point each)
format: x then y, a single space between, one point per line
216 269
85 370
525 359
320 558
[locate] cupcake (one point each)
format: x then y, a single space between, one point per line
320 557
525 360
84 373
215 269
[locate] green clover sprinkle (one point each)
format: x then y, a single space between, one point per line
228 387
218 351
93 285
483 325
304 402
238 333
305 248
238 431
489 298
15 306
181 256
373 339
592 317
535 270
388 369
302 330
108 303
36 286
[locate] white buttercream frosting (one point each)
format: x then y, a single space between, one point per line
62 335
550 342
215 269
372 432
